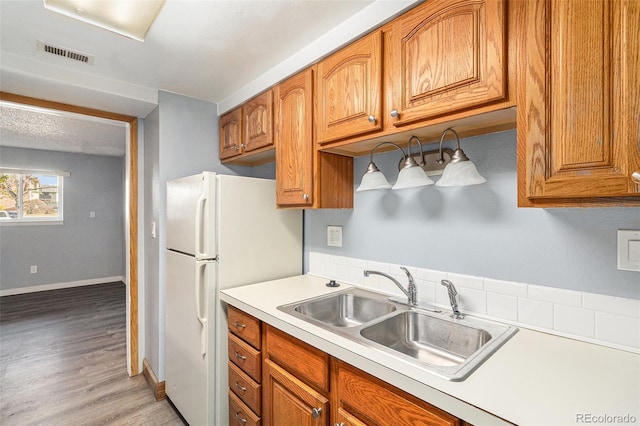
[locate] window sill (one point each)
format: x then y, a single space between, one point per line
30 222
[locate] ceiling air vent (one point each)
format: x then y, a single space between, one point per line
64 52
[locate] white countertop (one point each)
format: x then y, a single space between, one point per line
534 379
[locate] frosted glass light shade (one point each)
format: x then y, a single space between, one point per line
461 173
411 177
373 180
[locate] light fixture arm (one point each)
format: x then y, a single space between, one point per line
417 139
458 154
372 167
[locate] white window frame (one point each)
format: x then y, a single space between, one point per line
30 220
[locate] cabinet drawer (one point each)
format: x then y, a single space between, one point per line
245 388
245 357
244 326
240 414
307 363
357 390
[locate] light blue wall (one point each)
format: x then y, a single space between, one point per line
81 248
478 230
181 139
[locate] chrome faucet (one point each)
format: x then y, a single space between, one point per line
411 291
451 289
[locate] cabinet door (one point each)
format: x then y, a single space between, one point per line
579 109
349 86
344 418
230 134
294 140
257 116
288 401
356 389
448 56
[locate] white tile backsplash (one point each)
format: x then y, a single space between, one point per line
431 275
426 290
618 329
607 320
505 287
554 295
535 313
614 305
502 306
468 281
572 320
472 300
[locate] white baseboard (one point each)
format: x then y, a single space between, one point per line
56 286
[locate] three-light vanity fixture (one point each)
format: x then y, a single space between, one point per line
458 171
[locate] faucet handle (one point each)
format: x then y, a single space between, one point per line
409 276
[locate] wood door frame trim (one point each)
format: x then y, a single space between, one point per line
133 203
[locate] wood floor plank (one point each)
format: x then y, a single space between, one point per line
63 361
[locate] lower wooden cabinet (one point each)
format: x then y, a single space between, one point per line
354 391
344 418
245 368
289 382
289 401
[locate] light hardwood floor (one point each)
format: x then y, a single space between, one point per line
63 362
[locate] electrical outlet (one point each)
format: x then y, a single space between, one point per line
92 214
33 269
334 236
629 249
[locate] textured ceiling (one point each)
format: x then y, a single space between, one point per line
55 131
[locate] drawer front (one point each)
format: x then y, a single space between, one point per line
240 414
245 388
244 326
357 390
307 363
245 357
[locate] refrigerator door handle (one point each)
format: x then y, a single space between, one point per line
198 229
200 271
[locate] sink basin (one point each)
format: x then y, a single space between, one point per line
345 309
448 348
429 339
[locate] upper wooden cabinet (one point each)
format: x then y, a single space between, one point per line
578 104
257 119
294 140
348 90
247 129
230 134
306 177
446 56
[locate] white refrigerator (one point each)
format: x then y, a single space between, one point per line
222 232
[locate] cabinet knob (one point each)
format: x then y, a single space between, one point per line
239 325
240 387
243 146
635 177
305 197
236 148
339 424
316 412
394 113
242 357
371 119
240 419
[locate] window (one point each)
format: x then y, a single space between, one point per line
30 196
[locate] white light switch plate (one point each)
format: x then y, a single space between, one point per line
629 250
334 236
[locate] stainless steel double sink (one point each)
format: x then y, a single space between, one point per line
449 348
